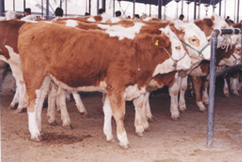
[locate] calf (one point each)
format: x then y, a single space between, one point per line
121 68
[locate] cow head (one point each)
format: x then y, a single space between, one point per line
229 57
195 40
178 57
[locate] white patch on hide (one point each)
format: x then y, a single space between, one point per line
122 32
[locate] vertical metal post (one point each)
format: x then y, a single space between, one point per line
97 7
42 8
24 5
160 3
199 3
47 9
188 11
2 9
220 7
150 10
182 7
113 8
13 5
195 10
224 8
212 80
213 6
238 12
134 8
66 7
60 3
104 4
90 7
234 10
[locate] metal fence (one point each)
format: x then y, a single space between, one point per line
214 74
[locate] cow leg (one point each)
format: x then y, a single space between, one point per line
234 84
15 98
22 100
117 103
183 88
36 100
173 92
51 104
141 122
61 95
226 88
107 127
197 83
80 106
4 72
205 97
147 108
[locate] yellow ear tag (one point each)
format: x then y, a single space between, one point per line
156 43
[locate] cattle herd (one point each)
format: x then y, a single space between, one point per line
123 59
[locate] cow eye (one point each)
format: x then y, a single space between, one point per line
178 48
194 40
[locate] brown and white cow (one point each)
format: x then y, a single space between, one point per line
226 56
148 27
207 25
96 61
9 54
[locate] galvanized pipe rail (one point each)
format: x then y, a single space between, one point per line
212 78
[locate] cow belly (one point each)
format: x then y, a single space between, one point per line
133 91
100 88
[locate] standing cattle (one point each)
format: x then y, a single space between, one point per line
96 61
188 33
9 54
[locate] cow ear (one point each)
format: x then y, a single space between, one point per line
209 22
180 33
179 25
161 41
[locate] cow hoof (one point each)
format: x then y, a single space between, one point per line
204 111
111 140
53 123
227 95
148 129
19 110
13 107
152 119
84 115
237 94
125 147
36 139
175 118
140 134
68 127
182 109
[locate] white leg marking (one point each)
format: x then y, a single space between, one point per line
33 126
201 106
205 97
41 94
107 127
183 88
226 88
62 103
51 105
123 140
173 92
80 106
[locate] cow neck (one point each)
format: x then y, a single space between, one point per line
175 61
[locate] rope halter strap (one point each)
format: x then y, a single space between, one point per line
199 52
175 61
